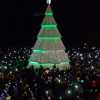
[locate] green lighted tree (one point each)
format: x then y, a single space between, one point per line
49 49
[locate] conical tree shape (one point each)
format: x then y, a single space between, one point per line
49 49
49 34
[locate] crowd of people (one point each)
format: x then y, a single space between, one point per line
80 82
40 84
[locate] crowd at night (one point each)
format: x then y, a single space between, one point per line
80 82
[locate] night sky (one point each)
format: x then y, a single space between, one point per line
77 21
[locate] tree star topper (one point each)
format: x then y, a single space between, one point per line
48 2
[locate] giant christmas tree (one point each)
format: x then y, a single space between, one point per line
49 49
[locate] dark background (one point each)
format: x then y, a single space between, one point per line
77 21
